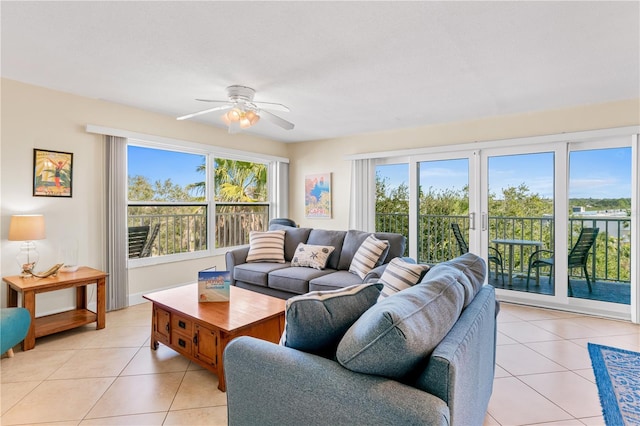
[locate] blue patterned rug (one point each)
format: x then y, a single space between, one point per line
618 378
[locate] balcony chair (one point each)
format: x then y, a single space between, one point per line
137 239
494 257
141 240
577 257
148 245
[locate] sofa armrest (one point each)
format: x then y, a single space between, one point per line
235 257
277 385
461 368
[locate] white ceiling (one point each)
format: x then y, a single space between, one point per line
341 67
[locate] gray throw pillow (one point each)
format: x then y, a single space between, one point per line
315 322
396 334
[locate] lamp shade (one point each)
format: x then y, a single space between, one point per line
26 227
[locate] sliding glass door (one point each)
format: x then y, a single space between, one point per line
443 203
531 210
600 205
519 217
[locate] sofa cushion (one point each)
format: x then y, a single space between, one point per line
334 281
267 246
323 237
397 333
292 237
400 275
367 256
315 322
295 279
471 273
256 273
312 256
397 244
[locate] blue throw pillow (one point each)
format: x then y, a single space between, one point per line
315 322
397 333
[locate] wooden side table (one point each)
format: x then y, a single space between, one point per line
49 324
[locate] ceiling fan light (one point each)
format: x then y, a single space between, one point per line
252 117
235 114
245 123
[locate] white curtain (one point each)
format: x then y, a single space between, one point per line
117 235
280 190
363 195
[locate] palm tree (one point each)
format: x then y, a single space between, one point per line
236 182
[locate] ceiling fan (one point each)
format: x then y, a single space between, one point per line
242 111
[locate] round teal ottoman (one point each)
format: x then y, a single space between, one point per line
14 324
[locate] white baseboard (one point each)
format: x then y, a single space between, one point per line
136 298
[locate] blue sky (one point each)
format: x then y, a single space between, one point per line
602 173
156 164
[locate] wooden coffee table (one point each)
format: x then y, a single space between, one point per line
201 330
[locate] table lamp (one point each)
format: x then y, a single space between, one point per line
27 228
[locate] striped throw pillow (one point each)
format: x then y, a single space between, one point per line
266 246
367 256
400 275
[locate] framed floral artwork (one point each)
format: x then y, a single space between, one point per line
317 196
52 173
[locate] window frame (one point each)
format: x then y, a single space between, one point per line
211 153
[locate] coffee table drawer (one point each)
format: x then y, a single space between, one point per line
182 343
181 324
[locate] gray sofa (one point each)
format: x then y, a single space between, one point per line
283 281
271 384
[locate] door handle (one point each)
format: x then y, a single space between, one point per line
485 220
472 221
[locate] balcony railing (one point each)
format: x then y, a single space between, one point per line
183 227
610 258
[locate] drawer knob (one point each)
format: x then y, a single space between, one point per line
182 324
182 343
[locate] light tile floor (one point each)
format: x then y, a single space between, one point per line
543 373
112 377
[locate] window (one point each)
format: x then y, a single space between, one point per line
176 198
241 200
167 196
392 199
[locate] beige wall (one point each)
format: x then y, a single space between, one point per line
328 155
34 117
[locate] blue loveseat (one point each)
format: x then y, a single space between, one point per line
273 384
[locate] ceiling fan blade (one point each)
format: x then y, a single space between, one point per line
276 120
218 108
212 100
272 106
